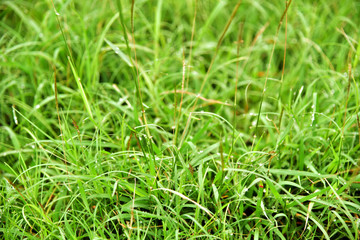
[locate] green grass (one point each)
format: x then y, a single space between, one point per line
179 119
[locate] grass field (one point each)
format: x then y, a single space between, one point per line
193 119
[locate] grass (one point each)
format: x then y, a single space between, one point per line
179 119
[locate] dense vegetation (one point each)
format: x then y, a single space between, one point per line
193 119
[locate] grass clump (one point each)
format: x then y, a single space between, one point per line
179 120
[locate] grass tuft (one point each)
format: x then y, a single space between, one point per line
179 120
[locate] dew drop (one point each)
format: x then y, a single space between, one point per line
301 89
15 118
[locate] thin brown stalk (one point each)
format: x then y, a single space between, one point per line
269 64
50 198
258 34
239 41
217 50
198 96
77 129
